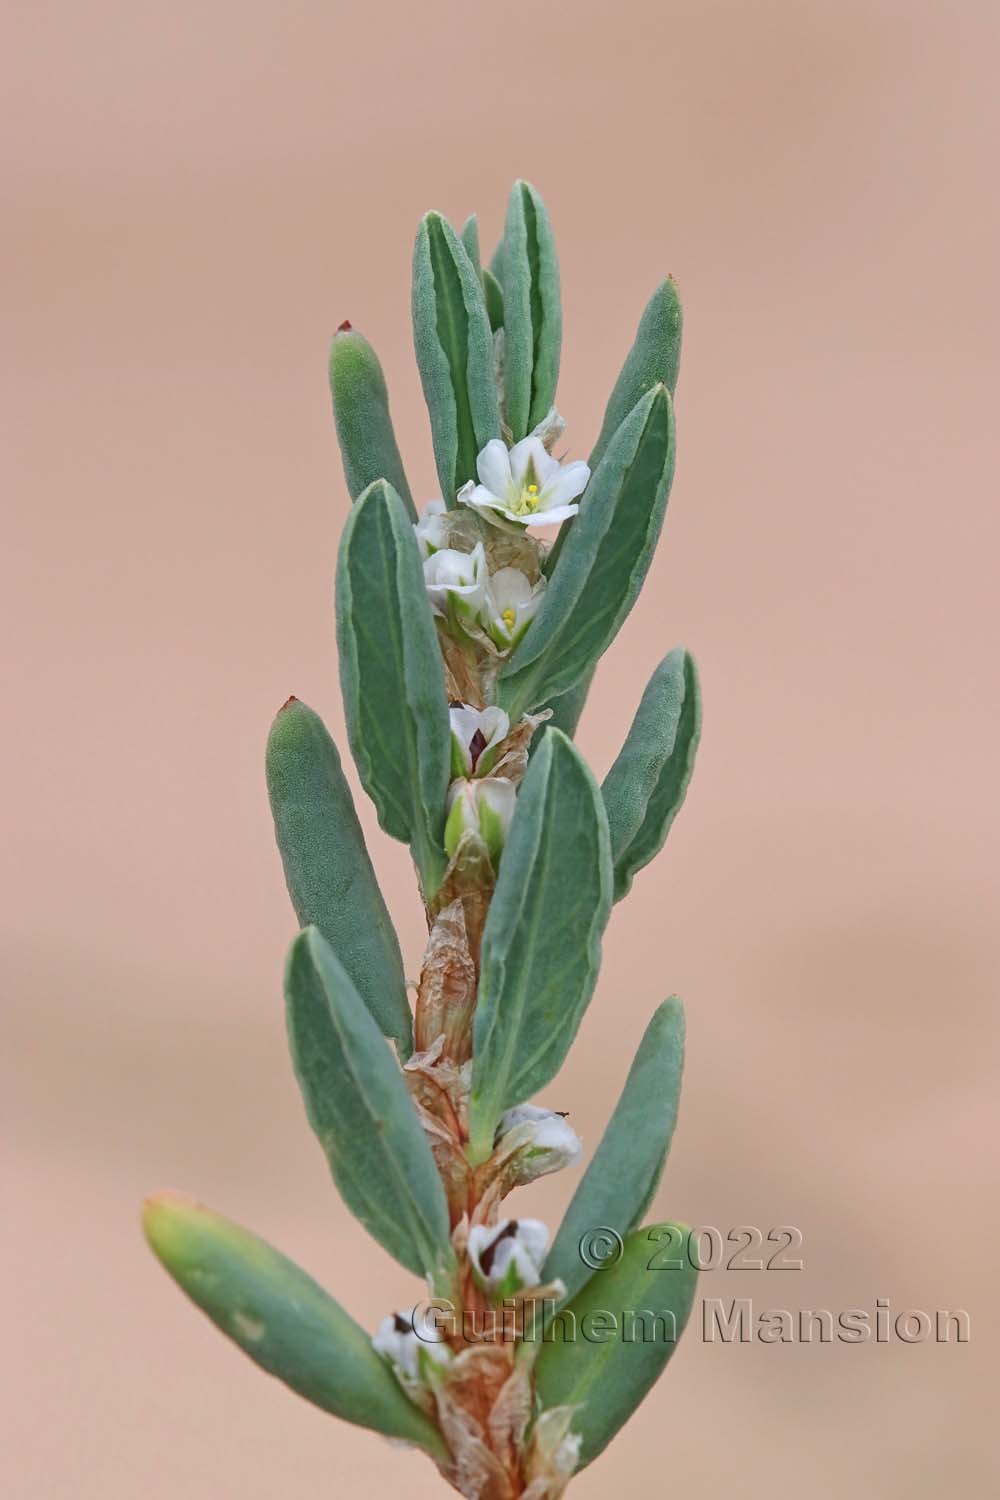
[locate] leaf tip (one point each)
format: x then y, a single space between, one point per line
163 1214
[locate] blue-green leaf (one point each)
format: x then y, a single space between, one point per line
279 1316
645 787
454 348
494 299
361 412
532 311
618 1185
542 941
470 239
495 267
653 359
603 564
327 868
607 1347
392 678
362 1113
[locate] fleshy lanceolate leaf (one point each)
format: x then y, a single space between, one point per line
653 359
470 240
532 312
617 1335
362 1113
645 787
542 941
494 299
392 678
329 874
618 1185
603 564
361 413
282 1319
454 347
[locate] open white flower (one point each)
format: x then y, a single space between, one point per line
524 485
431 530
508 1257
408 1345
511 604
483 807
540 1139
457 582
475 736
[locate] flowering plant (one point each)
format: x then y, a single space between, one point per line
467 646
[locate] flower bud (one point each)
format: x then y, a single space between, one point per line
456 583
406 1344
508 1257
481 807
432 530
536 1141
475 737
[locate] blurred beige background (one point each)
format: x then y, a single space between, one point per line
195 197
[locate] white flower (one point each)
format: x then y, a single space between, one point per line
405 1344
508 1257
511 604
431 530
540 1139
456 583
475 737
482 807
524 485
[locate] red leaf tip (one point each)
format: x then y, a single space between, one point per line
345 326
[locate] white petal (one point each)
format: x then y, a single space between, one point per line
550 517
494 467
493 510
425 1328
480 1235
495 724
509 587
522 1114
529 450
480 498
500 796
433 508
527 1270
566 485
555 1135
534 1236
464 723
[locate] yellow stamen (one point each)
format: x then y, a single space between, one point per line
508 617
